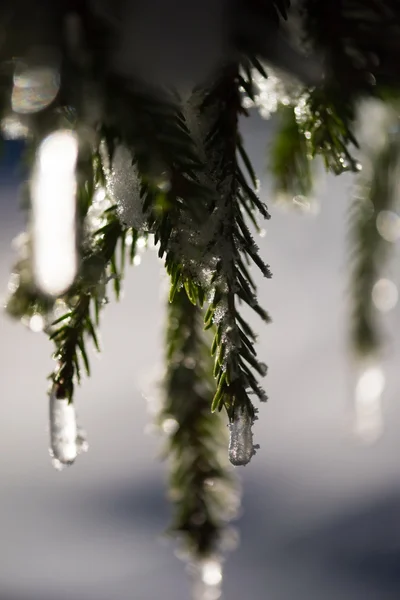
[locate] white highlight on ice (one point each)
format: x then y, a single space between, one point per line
212 572
53 191
129 239
141 243
100 194
170 426
385 295
208 579
388 225
36 323
95 216
368 404
66 439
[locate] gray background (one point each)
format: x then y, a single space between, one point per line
320 513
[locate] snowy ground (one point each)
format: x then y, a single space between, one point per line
321 515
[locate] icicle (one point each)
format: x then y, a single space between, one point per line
53 191
67 440
207 580
368 424
241 447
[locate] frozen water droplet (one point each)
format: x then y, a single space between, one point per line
99 195
170 426
129 239
368 424
241 447
211 572
189 362
388 225
207 580
67 440
385 295
247 102
163 182
95 216
137 260
141 243
36 323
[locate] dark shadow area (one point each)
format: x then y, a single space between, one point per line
351 556
363 545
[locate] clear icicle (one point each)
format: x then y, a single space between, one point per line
241 447
207 580
368 421
67 439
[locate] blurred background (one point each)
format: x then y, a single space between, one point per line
321 512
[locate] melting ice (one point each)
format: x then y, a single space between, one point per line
67 440
241 447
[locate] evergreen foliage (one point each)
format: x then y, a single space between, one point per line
197 194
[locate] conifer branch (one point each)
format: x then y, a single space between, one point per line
200 483
327 122
234 249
